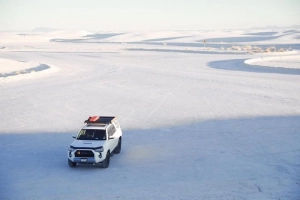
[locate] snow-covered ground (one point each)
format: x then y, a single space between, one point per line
292 62
200 121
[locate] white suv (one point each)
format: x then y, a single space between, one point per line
96 141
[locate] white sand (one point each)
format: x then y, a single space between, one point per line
193 129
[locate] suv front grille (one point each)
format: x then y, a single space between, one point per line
84 153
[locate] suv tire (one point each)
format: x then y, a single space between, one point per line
71 164
105 163
118 148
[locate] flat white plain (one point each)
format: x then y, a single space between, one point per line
199 122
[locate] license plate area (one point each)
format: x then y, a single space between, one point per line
83 159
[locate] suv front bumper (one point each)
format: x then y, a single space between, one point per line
98 157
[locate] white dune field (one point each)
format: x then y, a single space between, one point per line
198 123
291 61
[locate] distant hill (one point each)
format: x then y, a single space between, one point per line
44 29
277 27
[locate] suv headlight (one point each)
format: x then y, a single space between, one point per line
71 149
100 149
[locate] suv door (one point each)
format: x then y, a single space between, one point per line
112 137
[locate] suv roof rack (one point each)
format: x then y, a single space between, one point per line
99 120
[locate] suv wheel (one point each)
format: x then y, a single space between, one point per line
71 164
105 163
118 148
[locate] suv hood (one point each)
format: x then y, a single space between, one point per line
93 144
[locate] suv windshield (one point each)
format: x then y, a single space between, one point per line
91 134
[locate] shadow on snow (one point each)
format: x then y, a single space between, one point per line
239 65
254 157
41 67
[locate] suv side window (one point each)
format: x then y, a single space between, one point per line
116 123
111 130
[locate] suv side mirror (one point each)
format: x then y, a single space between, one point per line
73 136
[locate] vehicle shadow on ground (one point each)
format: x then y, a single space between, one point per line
239 65
259 155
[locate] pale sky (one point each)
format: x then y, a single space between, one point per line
99 15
